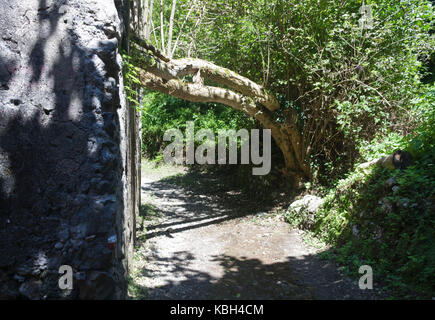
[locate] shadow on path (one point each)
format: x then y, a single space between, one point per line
205 239
196 200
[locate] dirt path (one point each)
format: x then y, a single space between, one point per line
202 241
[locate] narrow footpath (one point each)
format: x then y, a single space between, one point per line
199 240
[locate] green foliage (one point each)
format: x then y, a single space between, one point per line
162 112
185 26
355 94
349 83
346 84
389 228
132 83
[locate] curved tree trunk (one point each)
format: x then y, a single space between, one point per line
162 74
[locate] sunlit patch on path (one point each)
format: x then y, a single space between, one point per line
200 243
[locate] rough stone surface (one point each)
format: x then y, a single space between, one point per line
68 153
392 181
305 209
386 205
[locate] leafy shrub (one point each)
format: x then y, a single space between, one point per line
348 83
161 112
389 226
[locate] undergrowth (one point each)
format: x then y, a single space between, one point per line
386 218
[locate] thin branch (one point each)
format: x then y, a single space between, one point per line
181 29
142 43
162 33
171 28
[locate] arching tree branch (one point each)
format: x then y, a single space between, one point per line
167 69
168 76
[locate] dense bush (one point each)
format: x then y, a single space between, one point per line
340 82
161 112
352 94
346 83
385 218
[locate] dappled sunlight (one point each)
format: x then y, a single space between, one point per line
61 195
202 240
294 278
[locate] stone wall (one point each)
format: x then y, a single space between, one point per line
69 169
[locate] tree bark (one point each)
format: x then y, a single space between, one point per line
162 31
171 28
165 75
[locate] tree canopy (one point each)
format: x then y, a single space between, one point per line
323 80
